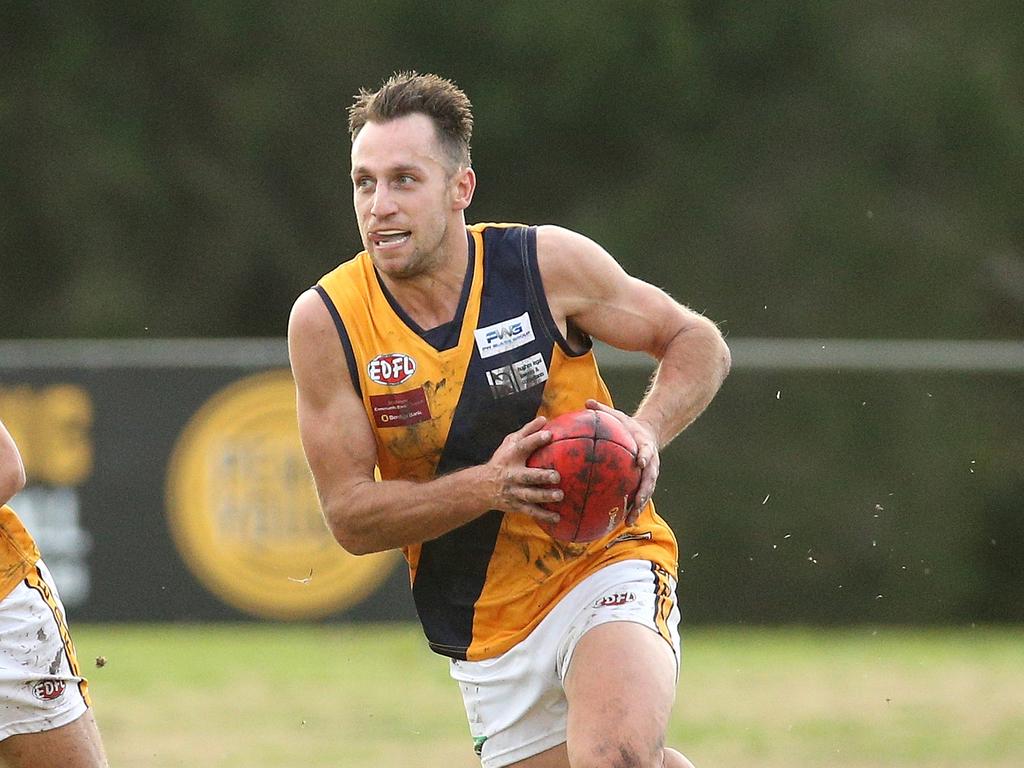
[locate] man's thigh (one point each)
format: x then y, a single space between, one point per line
75 745
517 703
620 687
556 757
41 687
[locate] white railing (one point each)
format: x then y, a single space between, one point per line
748 354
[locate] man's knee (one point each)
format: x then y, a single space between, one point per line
674 759
611 753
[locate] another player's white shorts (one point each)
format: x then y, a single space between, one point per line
40 685
515 702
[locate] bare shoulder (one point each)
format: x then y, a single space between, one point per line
576 270
551 237
12 470
566 254
308 313
588 289
314 348
310 325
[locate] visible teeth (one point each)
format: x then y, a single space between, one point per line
391 237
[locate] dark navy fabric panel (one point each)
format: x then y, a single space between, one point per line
506 295
444 336
452 569
346 343
529 254
449 579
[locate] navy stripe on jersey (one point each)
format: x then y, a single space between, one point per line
529 254
449 579
452 569
446 335
346 342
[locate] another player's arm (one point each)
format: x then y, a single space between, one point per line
589 290
12 470
369 516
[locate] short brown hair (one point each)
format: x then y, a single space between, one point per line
406 93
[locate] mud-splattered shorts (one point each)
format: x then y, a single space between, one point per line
515 702
40 684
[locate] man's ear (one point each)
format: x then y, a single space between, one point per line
462 189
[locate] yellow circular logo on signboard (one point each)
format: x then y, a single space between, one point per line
244 512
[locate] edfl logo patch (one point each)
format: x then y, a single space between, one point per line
391 369
48 690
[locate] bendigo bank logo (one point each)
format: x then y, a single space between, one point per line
391 369
244 513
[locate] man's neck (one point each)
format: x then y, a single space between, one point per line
432 298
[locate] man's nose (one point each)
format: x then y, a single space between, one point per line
383 203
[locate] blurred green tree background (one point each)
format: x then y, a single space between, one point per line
792 168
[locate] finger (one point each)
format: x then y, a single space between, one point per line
531 426
645 454
534 477
539 513
540 495
641 501
638 506
648 480
527 444
596 405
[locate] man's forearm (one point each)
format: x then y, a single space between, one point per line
690 373
376 516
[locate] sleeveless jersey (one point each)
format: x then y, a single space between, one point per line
18 552
443 399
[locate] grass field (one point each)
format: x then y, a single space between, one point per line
275 696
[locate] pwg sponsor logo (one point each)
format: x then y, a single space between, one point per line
503 332
501 337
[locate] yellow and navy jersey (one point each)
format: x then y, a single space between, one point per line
442 399
18 552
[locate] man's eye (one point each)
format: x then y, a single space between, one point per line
405 179
364 183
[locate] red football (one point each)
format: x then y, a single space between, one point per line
596 458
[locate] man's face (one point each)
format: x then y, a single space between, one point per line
404 195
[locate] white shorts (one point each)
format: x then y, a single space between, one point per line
515 702
40 684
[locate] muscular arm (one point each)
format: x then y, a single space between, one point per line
369 516
12 471
588 290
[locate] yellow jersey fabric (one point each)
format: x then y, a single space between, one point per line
442 399
18 551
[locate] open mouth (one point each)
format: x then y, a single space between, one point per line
390 238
